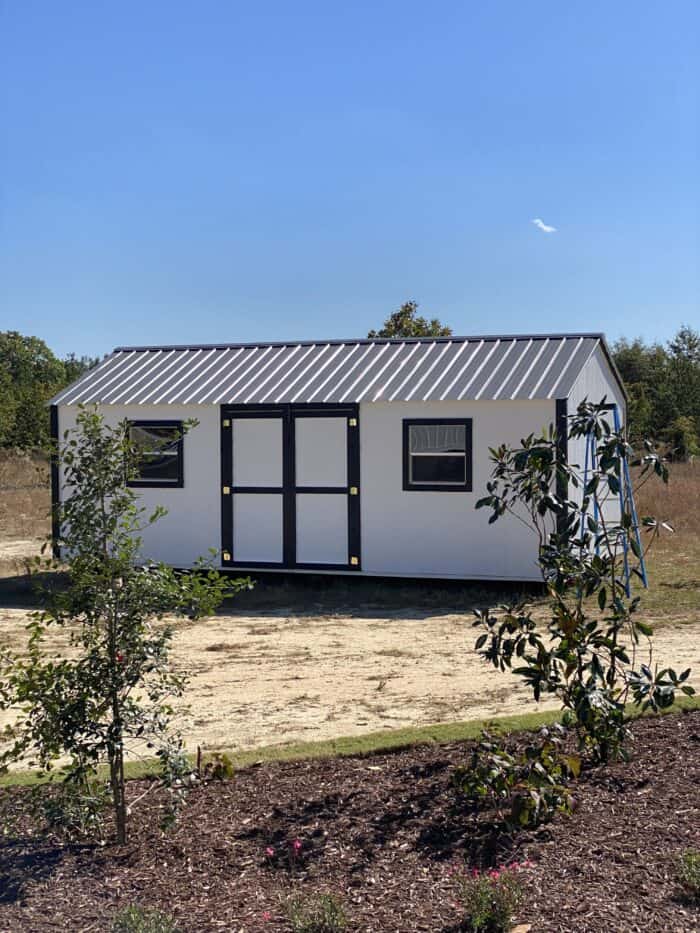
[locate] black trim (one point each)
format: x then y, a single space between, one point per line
290 490
362 341
55 484
466 486
562 485
257 490
289 504
175 425
353 469
322 490
226 480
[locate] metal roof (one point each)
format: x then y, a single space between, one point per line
412 369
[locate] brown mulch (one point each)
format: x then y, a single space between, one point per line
381 831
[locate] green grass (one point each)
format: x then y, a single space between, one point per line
368 744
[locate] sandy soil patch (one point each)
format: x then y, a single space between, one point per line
279 677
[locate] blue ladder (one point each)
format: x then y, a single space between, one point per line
626 497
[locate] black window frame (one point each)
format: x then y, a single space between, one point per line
410 486
172 425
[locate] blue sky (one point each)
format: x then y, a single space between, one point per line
223 171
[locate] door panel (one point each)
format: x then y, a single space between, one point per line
258 527
322 528
321 451
290 486
257 452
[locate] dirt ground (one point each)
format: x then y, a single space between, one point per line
294 661
277 677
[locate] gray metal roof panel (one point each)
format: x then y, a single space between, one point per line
397 369
561 377
530 381
330 372
291 377
523 361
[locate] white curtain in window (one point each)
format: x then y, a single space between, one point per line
429 438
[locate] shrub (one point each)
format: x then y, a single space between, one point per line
526 789
316 913
689 872
135 919
487 900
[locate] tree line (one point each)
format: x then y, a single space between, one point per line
662 380
30 374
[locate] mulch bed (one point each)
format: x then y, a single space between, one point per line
382 831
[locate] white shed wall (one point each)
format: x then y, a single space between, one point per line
441 534
597 380
406 533
193 522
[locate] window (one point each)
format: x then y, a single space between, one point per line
437 454
159 449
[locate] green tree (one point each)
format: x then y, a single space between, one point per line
686 344
684 386
76 366
34 374
663 384
113 693
407 323
682 438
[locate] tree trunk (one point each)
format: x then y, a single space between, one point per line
116 781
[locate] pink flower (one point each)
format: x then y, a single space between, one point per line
269 852
296 845
494 873
267 916
475 872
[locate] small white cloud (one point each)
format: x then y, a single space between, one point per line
541 225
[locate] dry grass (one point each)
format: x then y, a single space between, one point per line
674 560
677 503
25 498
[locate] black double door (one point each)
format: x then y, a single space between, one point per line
290 495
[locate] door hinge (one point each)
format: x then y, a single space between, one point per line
354 561
226 490
225 556
354 490
352 422
226 423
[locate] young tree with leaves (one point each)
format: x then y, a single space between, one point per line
112 695
588 657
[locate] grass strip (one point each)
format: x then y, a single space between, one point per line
362 745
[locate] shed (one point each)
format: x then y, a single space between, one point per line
340 456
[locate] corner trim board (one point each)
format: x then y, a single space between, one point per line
55 484
562 426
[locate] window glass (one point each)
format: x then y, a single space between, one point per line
436 469
436 455
159 449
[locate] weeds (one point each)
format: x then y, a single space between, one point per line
689 873
135 919
316 913
487 900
